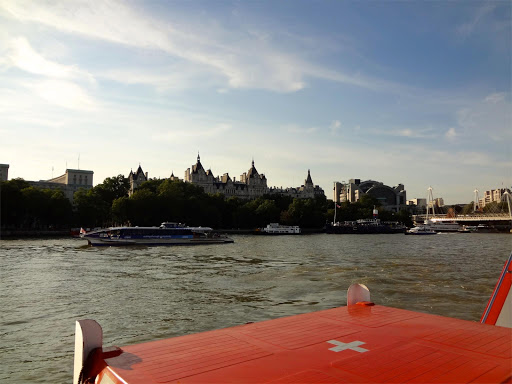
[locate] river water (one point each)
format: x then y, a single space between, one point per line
142 294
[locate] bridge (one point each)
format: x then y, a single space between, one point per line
501 218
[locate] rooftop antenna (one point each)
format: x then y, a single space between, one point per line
78 161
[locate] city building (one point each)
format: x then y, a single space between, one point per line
70 182
306 191
420 203
251 184
494 195
4 172
136 179
391 198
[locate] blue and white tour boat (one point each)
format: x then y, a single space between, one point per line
167 234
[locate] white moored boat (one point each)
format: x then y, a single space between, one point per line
166 234
421 230
442 226
276 229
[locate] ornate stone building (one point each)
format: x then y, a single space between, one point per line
306 191
136 179
251 184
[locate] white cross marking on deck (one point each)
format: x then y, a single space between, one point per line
354 345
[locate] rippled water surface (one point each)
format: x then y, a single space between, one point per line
141 294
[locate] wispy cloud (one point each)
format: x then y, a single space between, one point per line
192 133
490 117
244 58
496 97
412 132
451 133
63 94
301 130
466 29
20 54
335 127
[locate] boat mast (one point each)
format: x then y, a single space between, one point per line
335 203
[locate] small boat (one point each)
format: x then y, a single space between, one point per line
442 226
421 230
277 229
167 234
364 226
484 228
469 228
358 343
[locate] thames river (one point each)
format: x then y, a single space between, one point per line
142 294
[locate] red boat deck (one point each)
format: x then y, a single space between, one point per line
353 344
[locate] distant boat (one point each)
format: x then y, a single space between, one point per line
442 226
277 229
484 228
421 230
167 234
364 226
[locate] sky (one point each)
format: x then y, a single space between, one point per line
415 93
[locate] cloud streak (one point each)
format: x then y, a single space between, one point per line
244 59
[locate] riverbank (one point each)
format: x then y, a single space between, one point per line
23 234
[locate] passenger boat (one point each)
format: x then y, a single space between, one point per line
442 226
277 229
364 226
167 234
421 230
359 343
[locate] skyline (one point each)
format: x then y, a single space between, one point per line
414 93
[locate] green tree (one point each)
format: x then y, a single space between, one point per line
468 208
144 209
60 209
36 203
12 209
90 209
120 210
113 188
267 212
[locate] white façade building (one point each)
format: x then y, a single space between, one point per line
69 182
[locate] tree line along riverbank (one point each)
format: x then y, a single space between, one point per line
45 212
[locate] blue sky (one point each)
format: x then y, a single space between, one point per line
417 93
